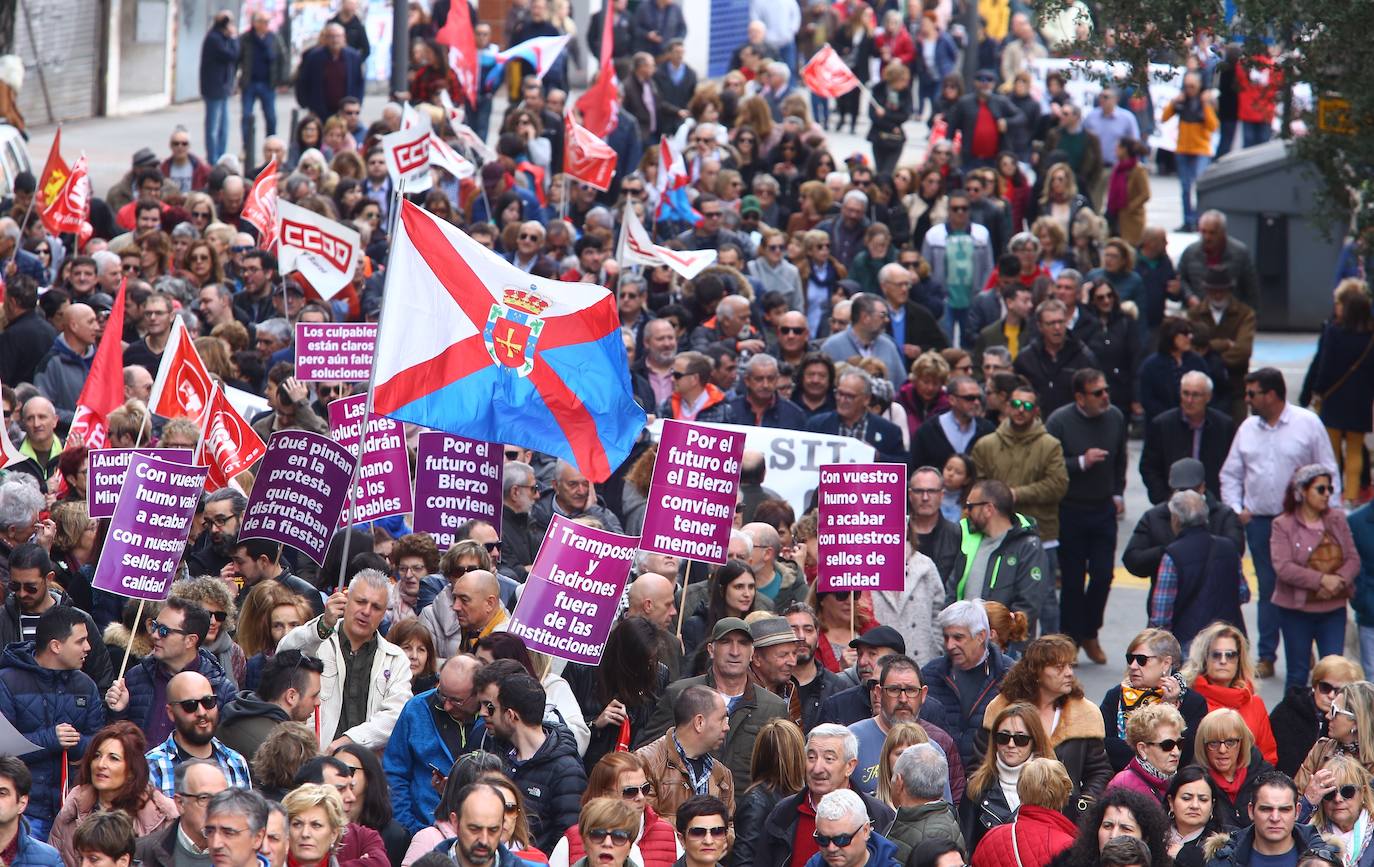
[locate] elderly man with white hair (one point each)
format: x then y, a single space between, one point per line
790 832
967 678
21 507
573 498
917 788
846 229
1192 429
346 640
777 78
1199 579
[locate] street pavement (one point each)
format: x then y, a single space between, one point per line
109 144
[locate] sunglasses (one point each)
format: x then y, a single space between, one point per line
189 705
524 236
1346 792
162 630
1322 489
1168 745
1224 655
1021 739
24 589
791 329
700 832
1098 392
218 616
970 506
617 836
774 247
1327 688
958 209
492 547
710 215
679 374
838 840
1017 403
1340 711
972 397
646 790
1138 659
1228 743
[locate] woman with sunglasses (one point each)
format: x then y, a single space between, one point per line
1153 658
1115 342
1226 748
1315 564
620 776
1044 678
1303 717
991 797
212 594
1191 804
607 827
1219 667
113 776
1344 809
1156 733
1348 725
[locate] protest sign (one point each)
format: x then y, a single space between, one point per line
384 475
335 351
299 493
861 527
149 528
105 470
792 458
692 492
573 591
456 480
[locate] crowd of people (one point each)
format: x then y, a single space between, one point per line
998 315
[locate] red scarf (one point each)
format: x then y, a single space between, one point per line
1117 193
1232 789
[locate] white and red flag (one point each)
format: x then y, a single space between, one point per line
587 158
324 251
260 207
827 75
103 392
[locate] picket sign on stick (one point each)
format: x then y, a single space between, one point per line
138 618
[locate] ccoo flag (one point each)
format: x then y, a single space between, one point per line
827 75
471 345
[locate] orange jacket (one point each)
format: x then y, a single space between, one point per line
1195 139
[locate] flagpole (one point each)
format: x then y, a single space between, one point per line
396 204
18 245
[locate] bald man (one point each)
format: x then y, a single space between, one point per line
653 597
193 707
434 730
138 383
183 841
61 374
730 326
42 446
477 605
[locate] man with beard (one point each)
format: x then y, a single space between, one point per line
223 515
193 707
899 694
288 690
656 361
814 683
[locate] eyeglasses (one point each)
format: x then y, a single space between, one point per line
181 144
1224 655
1017 403
1322 489
1003 738
838 840
202 258
221 520
628 792
774 247
970 506
901 691
701 832
200 801
1326 687
129 268
1228 743
1138 659
489 707
222 830
790 329
162 630
218 616
711 215
208 702
616 836
1168 745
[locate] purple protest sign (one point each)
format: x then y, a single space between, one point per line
456 480
105 472
384 477
861 527
335 351
573 591
149 528
692 492
299 492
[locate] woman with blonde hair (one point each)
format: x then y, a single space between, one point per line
890 108
923 395
1304 714
1349 727
1155 732
1054 244
1044 678
813 204
316 820
1041 831
1344 808
1060 199
753 112
1225 746
128 425
1220 669
899 737
608 827
201 207
215 353
820 272
991 798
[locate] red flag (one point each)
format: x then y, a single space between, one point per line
462 56
230 444
600 105
586 157
260 207
183 386
71 207
55 172
827 75
103 392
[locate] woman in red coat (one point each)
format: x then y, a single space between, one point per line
1039 832
621 775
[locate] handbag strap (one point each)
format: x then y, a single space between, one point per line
1349 371
1015 849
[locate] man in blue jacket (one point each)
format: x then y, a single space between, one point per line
853 391
21 849
219 62
969 676
435 728
45 695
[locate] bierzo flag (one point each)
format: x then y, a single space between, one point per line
471 345
827 75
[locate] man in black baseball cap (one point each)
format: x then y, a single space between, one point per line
1153 532
856 703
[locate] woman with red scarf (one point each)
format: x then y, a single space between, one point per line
1128 191
1220 669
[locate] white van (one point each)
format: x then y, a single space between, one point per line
14 158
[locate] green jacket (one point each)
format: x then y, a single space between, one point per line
915 825
1017 569
1031 463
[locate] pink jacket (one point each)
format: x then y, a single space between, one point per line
1291 543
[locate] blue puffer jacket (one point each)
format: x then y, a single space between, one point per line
148 680
33 853
35 700
414 746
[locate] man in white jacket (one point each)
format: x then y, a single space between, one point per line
366 679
